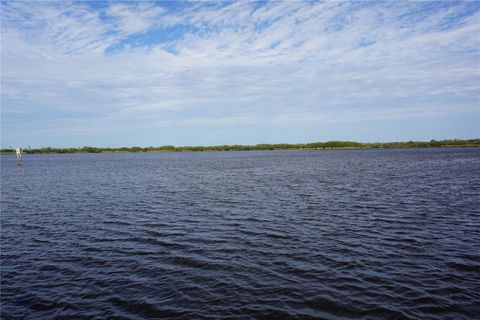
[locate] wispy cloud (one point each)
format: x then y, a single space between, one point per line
287 66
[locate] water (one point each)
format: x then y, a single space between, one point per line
369 234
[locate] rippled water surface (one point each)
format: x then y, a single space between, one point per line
370 234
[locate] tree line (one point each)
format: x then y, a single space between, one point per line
329 145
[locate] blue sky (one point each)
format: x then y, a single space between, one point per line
208 73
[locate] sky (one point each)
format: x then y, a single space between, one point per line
157 73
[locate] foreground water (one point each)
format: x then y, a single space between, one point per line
368 234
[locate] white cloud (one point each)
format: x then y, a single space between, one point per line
129 20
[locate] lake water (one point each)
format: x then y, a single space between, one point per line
370 234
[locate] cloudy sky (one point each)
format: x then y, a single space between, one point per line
208 73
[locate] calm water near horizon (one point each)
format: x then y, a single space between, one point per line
359 234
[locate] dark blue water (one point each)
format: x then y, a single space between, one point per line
366 234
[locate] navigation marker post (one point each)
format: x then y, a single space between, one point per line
19 156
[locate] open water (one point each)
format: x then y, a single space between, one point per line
364 234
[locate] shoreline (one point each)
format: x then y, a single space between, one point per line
315 146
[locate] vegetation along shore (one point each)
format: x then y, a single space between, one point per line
329 145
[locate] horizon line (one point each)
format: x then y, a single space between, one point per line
285 144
